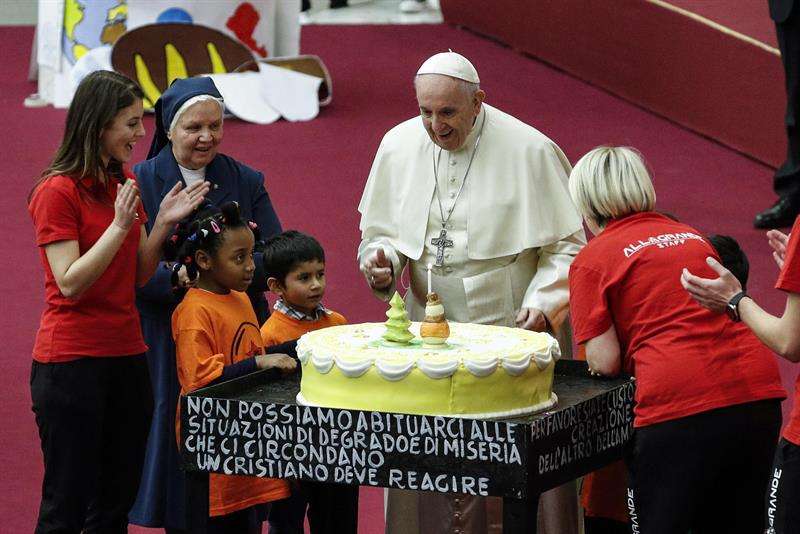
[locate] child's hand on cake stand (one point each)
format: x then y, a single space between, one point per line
282 362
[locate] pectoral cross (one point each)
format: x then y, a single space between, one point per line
441 243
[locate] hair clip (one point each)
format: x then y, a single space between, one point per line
173 239
204 233
187 259
215 226
252 225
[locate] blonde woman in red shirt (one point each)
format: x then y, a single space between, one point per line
89 381
708 393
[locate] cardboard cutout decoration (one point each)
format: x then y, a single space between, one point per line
266 27
311 65
156 54
89 25
243 24
70 30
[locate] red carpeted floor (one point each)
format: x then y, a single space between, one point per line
315 172
748 17
665 59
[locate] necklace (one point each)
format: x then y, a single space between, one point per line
442 242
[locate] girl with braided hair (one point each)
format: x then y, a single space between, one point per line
217 338
186 147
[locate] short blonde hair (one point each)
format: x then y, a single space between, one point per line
611 182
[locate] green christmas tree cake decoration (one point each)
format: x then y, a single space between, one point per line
398 323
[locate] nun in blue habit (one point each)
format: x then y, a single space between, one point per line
188 133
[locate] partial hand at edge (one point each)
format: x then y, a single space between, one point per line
183 278
532 319
778 241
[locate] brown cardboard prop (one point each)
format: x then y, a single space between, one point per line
155 54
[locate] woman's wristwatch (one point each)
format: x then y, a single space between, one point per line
732 309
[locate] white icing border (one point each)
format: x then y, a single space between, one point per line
353 369
481 368
438 370
393 371
322 362
536 408
543 360
517 367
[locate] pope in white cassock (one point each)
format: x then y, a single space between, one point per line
483 198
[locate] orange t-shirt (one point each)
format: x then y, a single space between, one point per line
212 331
280 328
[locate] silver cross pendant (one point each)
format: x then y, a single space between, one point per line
441 243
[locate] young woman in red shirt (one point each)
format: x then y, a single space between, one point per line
725 294
89 381
708 393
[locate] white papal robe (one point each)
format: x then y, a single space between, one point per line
514 233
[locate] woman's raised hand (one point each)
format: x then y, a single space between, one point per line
180 201
778 241
126 204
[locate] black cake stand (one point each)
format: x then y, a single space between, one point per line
253 426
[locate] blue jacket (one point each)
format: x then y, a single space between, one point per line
230 180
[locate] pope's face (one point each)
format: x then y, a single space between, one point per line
197 134
448 111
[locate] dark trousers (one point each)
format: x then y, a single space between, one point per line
706 473
598 525
240 522
332 509
783 494
787 178
93 416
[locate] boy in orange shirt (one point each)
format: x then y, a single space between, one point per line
295 267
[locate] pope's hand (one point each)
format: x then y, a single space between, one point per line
712 294
532 319
778 241
378 270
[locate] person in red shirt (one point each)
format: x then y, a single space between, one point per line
89 381
707 410
725 294
295 266
217 338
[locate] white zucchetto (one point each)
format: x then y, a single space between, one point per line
450 64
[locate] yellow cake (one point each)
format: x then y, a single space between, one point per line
482 371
